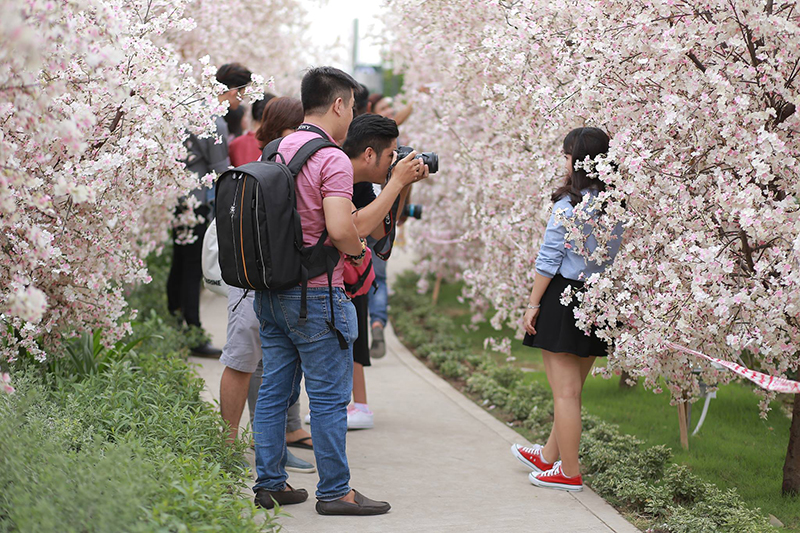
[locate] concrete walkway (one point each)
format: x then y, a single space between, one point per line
441 461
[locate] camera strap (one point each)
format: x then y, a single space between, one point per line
305 126
383 248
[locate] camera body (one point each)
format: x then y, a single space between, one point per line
428 158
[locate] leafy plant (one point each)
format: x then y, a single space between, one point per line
131 448
88 355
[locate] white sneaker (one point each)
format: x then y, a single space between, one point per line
358 419
307 419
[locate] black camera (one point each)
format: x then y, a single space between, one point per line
413 211
428 158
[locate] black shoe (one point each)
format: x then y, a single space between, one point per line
268 499
363 506
206 350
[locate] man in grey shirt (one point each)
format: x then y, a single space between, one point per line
205 155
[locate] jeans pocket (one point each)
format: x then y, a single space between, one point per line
346 318
316 325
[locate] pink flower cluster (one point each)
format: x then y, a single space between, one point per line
5 383
94 108
700 103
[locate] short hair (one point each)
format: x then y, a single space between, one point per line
257 110
321 86
233 118
280 114
373 131
362 100
234 75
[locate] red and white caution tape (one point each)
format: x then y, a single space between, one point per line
765 381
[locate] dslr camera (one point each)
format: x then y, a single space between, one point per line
428 158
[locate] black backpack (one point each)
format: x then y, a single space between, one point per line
259 232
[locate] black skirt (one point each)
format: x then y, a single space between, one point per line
555 327
361 346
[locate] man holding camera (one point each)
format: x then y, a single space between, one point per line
370 145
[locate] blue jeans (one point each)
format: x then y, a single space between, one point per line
290 352
378 300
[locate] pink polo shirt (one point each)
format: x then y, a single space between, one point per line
328 173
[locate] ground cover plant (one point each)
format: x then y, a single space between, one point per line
130 448
117 438
731 470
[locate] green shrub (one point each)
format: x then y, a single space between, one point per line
453 369
506 376
134 448
56 476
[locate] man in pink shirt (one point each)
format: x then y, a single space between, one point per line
324 189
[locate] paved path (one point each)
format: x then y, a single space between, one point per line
441 461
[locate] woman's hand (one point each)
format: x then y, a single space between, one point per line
529 320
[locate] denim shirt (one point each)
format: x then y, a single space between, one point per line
559 257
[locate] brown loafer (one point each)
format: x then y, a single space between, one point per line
267 499
363 506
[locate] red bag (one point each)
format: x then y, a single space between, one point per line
359 279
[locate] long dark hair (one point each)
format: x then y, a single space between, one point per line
373 100
280 114
579 143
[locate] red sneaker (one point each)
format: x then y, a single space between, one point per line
555 479
531 457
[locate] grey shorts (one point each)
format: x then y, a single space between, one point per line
242 349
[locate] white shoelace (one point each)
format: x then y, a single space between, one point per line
553 471
533 450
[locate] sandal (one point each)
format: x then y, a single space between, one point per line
301 443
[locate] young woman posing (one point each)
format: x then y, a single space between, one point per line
567 351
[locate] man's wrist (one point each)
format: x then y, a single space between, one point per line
362 254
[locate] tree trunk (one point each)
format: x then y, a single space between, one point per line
683 425
623 381
437 288
791 468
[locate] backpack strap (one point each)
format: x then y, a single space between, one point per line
306 151
271 150
330 264
355 287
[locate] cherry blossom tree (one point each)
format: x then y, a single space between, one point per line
268 37
700 101
93 115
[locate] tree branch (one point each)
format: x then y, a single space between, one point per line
746 250
696 62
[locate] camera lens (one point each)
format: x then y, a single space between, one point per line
413 211
430 159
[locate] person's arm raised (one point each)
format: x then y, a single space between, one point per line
402 115
369 220
340 226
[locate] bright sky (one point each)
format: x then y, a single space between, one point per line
331 24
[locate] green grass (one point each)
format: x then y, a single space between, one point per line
734 448
448 304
